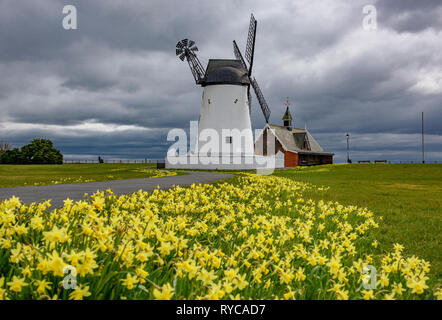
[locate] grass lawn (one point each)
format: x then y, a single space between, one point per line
22 175
407 196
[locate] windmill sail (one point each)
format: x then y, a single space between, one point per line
238 54
250 47
262 102
185 49
249 53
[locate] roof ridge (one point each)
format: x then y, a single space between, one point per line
279 126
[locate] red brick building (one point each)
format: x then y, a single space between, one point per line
297 145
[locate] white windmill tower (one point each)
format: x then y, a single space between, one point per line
226 99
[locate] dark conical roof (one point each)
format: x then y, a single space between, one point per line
226 71
287 115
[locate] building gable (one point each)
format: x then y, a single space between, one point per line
295 140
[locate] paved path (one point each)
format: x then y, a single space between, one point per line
75 191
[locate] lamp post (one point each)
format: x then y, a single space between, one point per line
348 148
423 153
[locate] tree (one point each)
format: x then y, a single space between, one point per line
10 156
4 146
39 151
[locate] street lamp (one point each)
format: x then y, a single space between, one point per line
423 153
348 148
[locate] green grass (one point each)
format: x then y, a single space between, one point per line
22 175
407 196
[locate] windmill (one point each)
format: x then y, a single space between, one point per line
186 49
226 99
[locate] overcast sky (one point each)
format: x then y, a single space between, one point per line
114 86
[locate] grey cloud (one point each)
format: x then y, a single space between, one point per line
410 15
119 68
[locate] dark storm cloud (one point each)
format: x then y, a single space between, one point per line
118 73
131 142
410 15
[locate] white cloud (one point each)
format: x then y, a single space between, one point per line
428 82
83 129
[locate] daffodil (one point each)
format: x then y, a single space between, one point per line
130 281
17 284
42 286
367 294
79 293
417 285
397 289
165 293
2 291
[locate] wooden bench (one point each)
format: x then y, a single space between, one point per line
161 165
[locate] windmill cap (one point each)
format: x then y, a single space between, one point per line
226 71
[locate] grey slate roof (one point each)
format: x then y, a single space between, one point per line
294 140
226 71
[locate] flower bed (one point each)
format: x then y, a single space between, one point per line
253 238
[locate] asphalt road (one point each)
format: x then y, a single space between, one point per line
75 191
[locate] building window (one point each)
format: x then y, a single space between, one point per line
229 139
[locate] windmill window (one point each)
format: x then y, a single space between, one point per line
229 139
208 100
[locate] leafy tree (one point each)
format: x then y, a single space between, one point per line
39 151
10 156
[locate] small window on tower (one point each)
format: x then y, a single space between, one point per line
229 139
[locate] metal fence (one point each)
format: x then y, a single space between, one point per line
162 161
394 161
114 161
